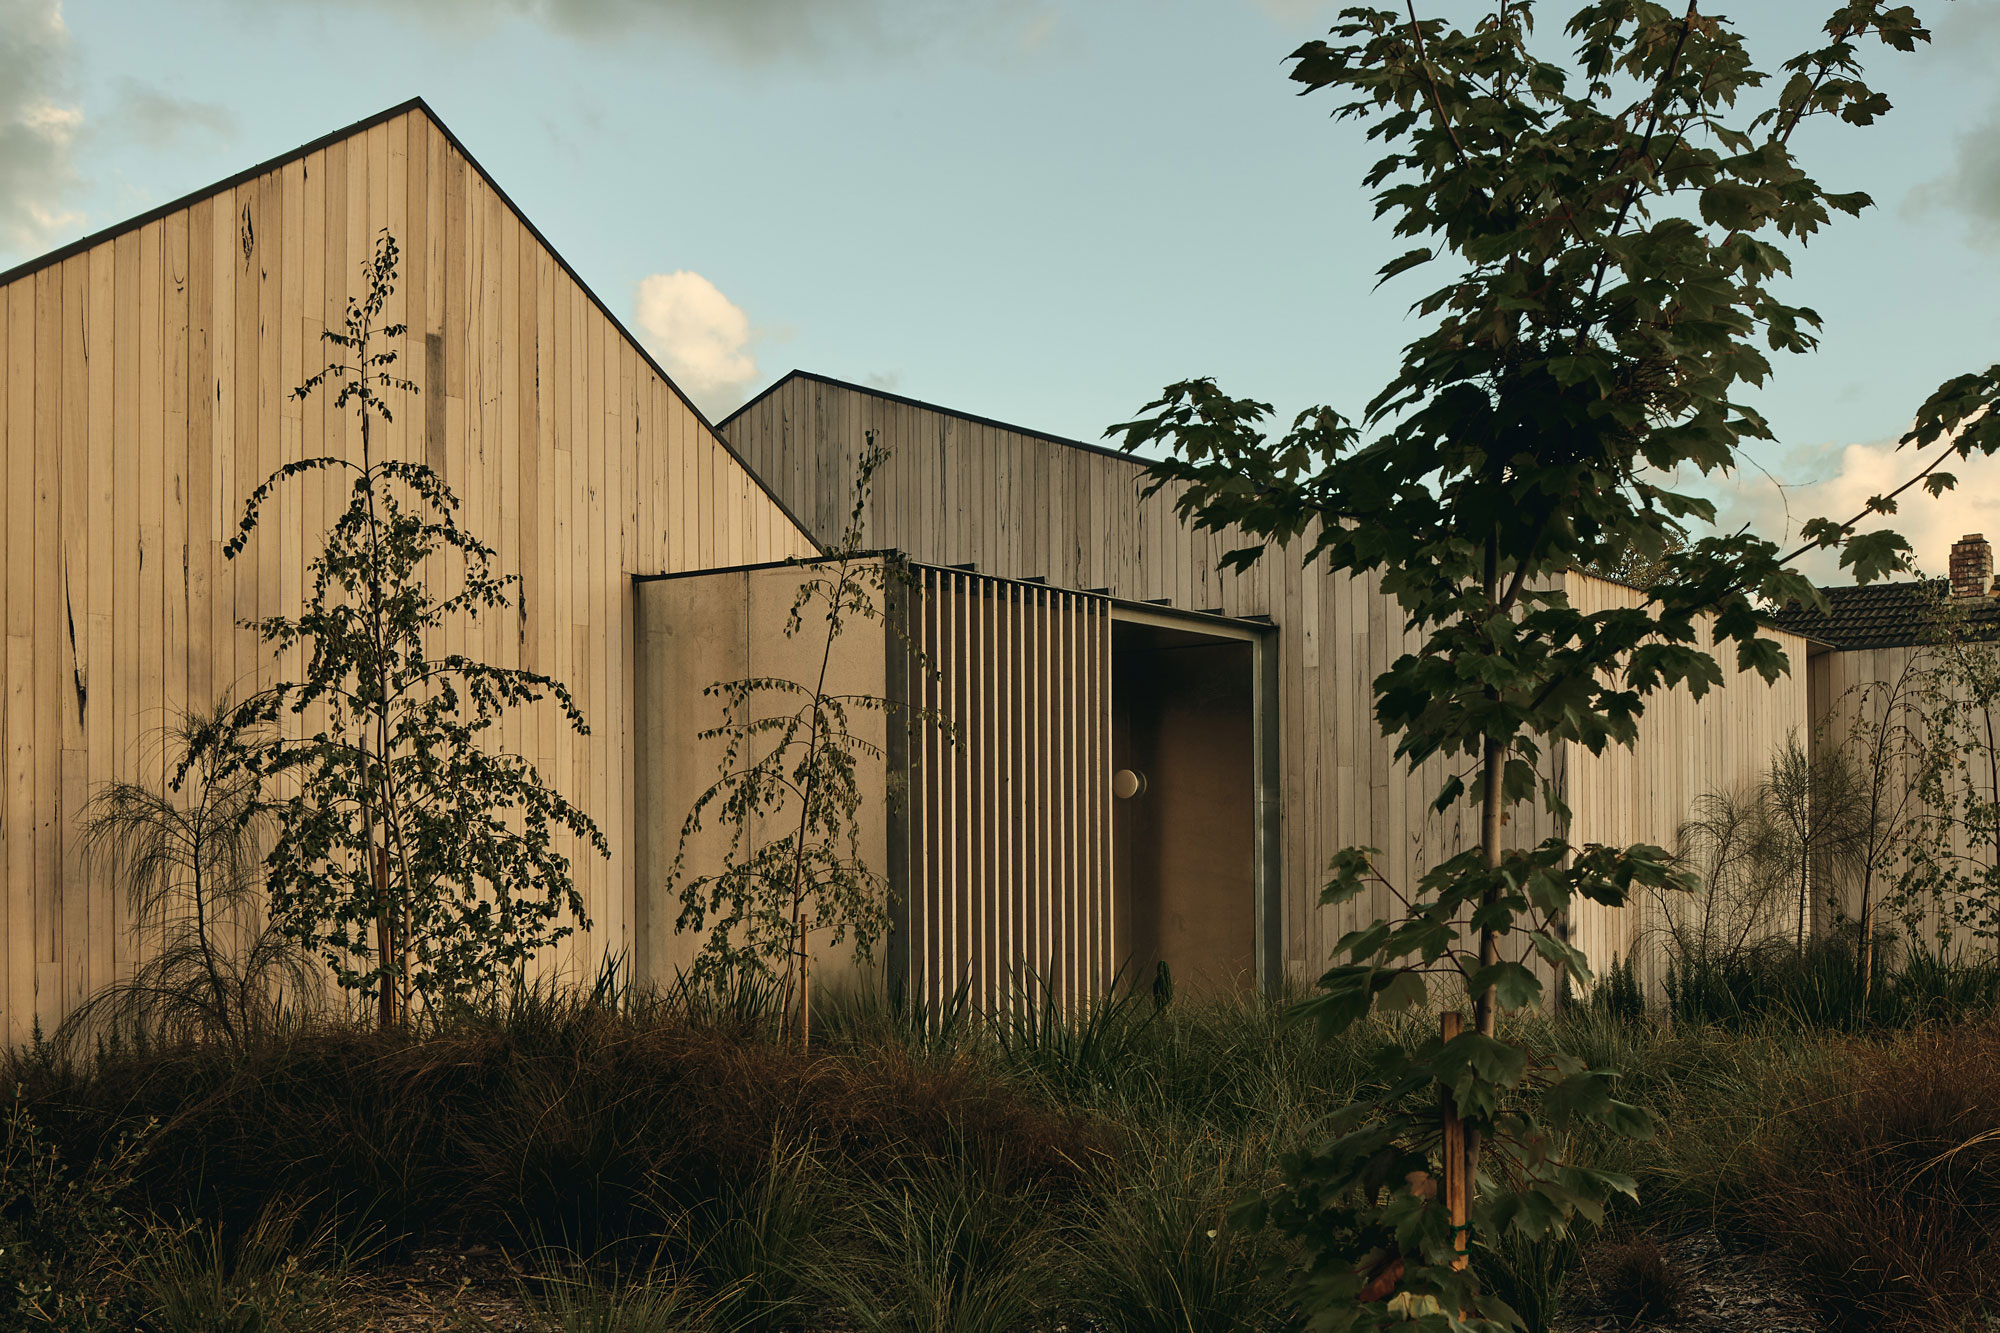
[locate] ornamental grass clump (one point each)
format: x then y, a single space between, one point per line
1879 1179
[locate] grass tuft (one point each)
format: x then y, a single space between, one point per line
1632 1280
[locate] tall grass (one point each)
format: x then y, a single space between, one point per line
272 1278
1160 1251
934 1249
667 1159
1883 1185
581 1297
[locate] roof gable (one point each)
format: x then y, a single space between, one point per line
1029 432
416 106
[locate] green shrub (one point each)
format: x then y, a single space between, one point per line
270 1279
589 1127
1618 992
755 1243
67 1239
1929 988
1532 1275
1819 987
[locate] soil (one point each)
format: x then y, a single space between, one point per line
466 1288
1723 1286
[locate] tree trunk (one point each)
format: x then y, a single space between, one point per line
384 936
1867 932
202 934
805 990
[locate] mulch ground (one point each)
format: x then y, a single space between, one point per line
443 1289
1726 1288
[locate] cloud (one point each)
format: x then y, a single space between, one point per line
37 130
749 32
1837 482
1969 38
1971 188
700 336
157 119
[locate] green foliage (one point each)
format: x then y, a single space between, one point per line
793 759
591 1127
760 1236
1533 1276
1953 853
1821 987
1067 1042
190 861
1611 230
1817 985
414 854
66 1237
1619 993
716 1175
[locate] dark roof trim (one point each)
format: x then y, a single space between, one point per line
131 224
1136 460
1194 620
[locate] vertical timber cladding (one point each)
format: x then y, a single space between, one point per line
1010 809
145 389
1023 504
1687 748
694 633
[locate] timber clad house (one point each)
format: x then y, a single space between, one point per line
1156 759
1869 645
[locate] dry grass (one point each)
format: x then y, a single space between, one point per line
1883 1184
588 1129
1631 1279
989 1182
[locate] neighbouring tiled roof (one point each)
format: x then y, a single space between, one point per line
1889 615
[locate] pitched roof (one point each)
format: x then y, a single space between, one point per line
417 104
1888 615
1136 460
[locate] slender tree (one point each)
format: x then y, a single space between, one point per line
418 857
1818 808
1955 856
190 861
793 760
1891 748
1611 230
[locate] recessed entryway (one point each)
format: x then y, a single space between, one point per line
1185 810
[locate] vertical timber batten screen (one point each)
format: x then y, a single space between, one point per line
1010 796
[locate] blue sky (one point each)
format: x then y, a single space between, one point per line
1035 211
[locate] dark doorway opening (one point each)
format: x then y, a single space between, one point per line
1185 850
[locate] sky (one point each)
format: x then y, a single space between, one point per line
1035 210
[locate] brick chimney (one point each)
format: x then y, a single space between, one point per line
1971 565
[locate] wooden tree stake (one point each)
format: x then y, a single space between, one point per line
1457 1187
